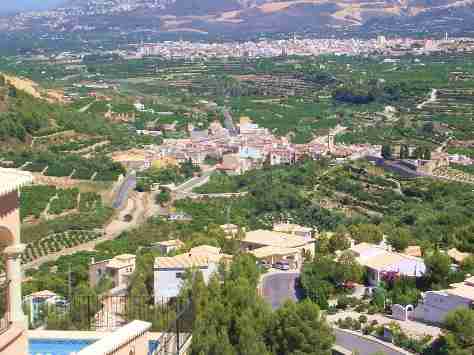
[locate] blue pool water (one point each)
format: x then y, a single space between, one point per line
68 346
57 346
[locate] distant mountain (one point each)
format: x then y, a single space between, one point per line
246 18
28 5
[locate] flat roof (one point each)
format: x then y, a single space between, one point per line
13 179
276 239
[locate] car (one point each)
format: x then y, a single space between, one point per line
281 265
265 265
349 285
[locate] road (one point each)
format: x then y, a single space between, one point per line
86 107
433 97
128 185
186 188
137 207
229 123
279 287
365 345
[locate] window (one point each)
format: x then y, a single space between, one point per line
180 275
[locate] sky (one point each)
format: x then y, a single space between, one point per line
23 5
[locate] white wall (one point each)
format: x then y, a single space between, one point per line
168 284
437 305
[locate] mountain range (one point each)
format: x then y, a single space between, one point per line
245 18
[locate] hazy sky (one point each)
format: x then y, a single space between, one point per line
18 5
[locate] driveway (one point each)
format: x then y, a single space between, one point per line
413 328
278 287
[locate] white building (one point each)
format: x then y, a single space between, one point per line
118 269
380 261
168 246
435 305
170 272
289 228
36 301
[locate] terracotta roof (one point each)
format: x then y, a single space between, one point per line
464 291
457 255
413 250
382 261
276 239
362 247
267 251
205 249
13 179
291 228
182 261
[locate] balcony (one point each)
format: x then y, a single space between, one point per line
118 324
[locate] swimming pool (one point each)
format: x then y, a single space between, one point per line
69 346
57 346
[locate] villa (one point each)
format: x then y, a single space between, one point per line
170 273
15 338
435 305
168 246
295 229
35 301
119 269
264 238
380 262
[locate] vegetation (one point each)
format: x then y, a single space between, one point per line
230 318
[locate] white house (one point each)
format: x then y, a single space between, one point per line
119 269
435 305
289 228
169 273
380 261
38 300
168 246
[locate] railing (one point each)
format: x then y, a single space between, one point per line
174 340
4 307
173 319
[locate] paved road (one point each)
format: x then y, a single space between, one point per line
229 123
280 286
356 342
128 185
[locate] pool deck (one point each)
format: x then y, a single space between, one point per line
79 335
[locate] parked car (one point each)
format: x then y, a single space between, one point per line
265 265
282 265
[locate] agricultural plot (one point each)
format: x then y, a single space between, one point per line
64 165
56 242
34 199
66 200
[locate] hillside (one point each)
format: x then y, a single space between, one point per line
27 110
241 19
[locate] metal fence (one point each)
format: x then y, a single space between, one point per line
172 318
4 307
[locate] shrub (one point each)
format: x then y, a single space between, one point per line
343 302
363 319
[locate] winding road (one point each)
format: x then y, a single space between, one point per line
128 185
